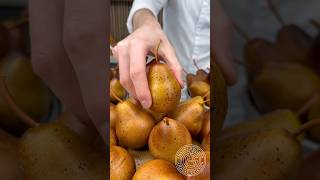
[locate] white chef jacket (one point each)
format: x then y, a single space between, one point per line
187 26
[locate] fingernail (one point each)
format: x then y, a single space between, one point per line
145 104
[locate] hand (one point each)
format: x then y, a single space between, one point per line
222 39
131 53
69 54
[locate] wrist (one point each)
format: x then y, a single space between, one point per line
145 17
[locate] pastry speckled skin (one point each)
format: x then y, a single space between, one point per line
205 129
113 116
158 169
264 155
199 88
53 151
113 137
277 86
167 137
122 165
164 87
190 114
28 91
117 88
133 126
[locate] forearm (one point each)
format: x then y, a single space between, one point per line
143 17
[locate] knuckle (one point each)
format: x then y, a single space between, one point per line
121 45
135 42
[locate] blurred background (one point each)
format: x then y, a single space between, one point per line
252 16
13 3
30 92
257 20
11 8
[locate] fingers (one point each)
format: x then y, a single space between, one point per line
138 75
132 69
46 19
49 59
168 53
122 54
225 62
222 43
222 49
84 34
131 54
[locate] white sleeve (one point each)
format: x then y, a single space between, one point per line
153 5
